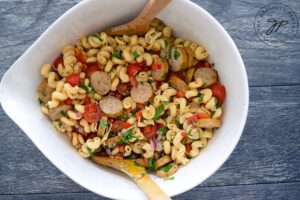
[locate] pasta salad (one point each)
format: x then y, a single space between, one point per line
153 98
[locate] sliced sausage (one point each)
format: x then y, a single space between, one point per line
101 82
208 76
44 91
142 93
111 106
160 69
209 123
178 83
162 161
124 88
178 58
58 112
189 75
163 172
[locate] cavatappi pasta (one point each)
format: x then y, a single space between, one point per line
153 98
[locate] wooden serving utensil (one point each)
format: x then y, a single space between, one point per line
140 24
137 173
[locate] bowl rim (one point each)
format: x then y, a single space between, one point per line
240 128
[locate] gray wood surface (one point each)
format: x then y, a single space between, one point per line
266 162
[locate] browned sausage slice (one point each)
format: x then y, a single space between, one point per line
58 112
141 93
44 91
160 69
162 172
101 82
178 83
111 106
162 161
208 76
178 58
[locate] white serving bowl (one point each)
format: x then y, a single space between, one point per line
19 97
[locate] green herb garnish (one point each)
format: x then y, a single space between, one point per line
90 151
162 131
111 134
128 135
217 103
177 123
123 117
176 54
169 178
189 133
131 156
167 167
117 54
151 167
170 52
200 99
98 37
62 112
164 75
40 101
159 111
103 123
83 86
138 164
135 54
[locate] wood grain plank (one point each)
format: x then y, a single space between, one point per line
24 22
287 191
268 151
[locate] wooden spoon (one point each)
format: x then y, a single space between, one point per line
137 173
140 24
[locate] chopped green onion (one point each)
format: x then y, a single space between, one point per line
135 54
176 54
103 123
151 167
162 131
117 54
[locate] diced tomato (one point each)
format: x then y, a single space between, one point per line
133 69
140 106
139 115
73 79
80 55
58 60
202 63
156 52
180 94
133 81
93 67
118 125
150 131
219 92
86 100
183 133
68 101
158 84
202 115
156 67
192 119
92 113
126 125
188 147
121 148
190 100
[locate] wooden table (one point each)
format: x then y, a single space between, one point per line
264 165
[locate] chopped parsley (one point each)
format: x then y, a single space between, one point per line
189 133
40 101
162 131
111 134
165 75
90 151
123 117
217 103
170 52
98 37
138 164
177 123
117 54
88 88
167 167
131 156
62 112
176 54
135 54
103 123
151 167
83 86
200 99
128 135
160 110
169 178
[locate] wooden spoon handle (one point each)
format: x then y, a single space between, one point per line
152 8
151 189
